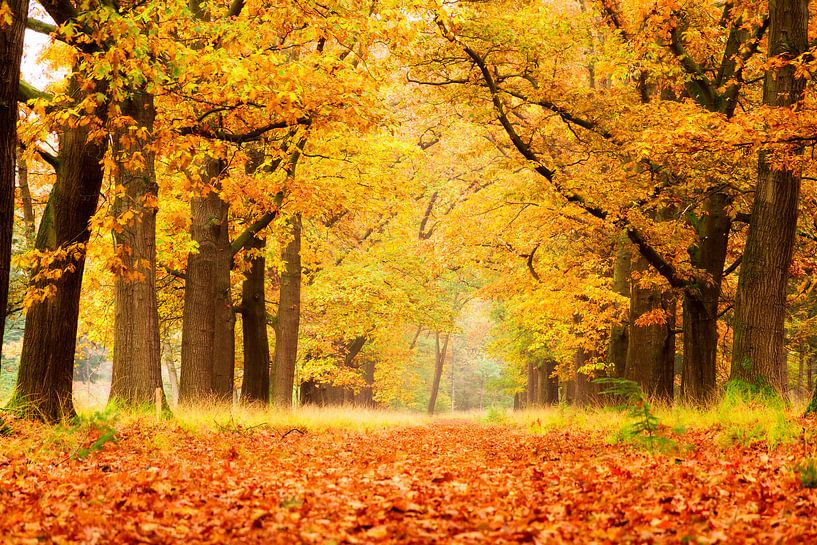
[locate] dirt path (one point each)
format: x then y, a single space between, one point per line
445 483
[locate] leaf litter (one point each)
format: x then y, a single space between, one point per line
447 483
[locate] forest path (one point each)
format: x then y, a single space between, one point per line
447 482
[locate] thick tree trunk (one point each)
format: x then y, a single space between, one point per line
289 317
617 351
758 353
137 366
438 370
651 350
208 220
44 388
256 383
701 311
11 51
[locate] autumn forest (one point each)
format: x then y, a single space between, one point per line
428 271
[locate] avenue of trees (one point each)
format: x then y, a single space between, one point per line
321 202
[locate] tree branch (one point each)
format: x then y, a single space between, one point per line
26 92
241 138
40 26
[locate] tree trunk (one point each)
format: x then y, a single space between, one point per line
44 388
256 384
530 393
208 219
701 311
25 197
651 350
758 353
438 371
289 317
552 388
11 51
137 366
224 321
801 361
366 396
541 386
617 351
587 392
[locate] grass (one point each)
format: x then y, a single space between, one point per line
736 420
739 419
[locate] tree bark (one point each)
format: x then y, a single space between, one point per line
530 392
541 385
801 361
701 311
617 351
256 383
137 366
208 220
438 370
224 320
366 396
25 198
651 350
758 354
587 392
44 388
552 383
289 317
11 51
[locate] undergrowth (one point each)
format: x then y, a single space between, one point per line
741 418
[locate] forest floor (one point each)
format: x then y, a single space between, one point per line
443 481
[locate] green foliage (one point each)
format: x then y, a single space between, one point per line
739 392
496 415
644 428
98 431
751 414
806 471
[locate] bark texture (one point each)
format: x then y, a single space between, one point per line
208 221
289 316
438 370
137 366
651 350
224 319
700 311
619 334
758 354
25 197
11 51
551 383
256 382
44 386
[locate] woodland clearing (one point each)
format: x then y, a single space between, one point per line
434 481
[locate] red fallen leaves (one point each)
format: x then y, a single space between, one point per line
446 483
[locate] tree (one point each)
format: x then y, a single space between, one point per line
13 17
43 387
758 355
